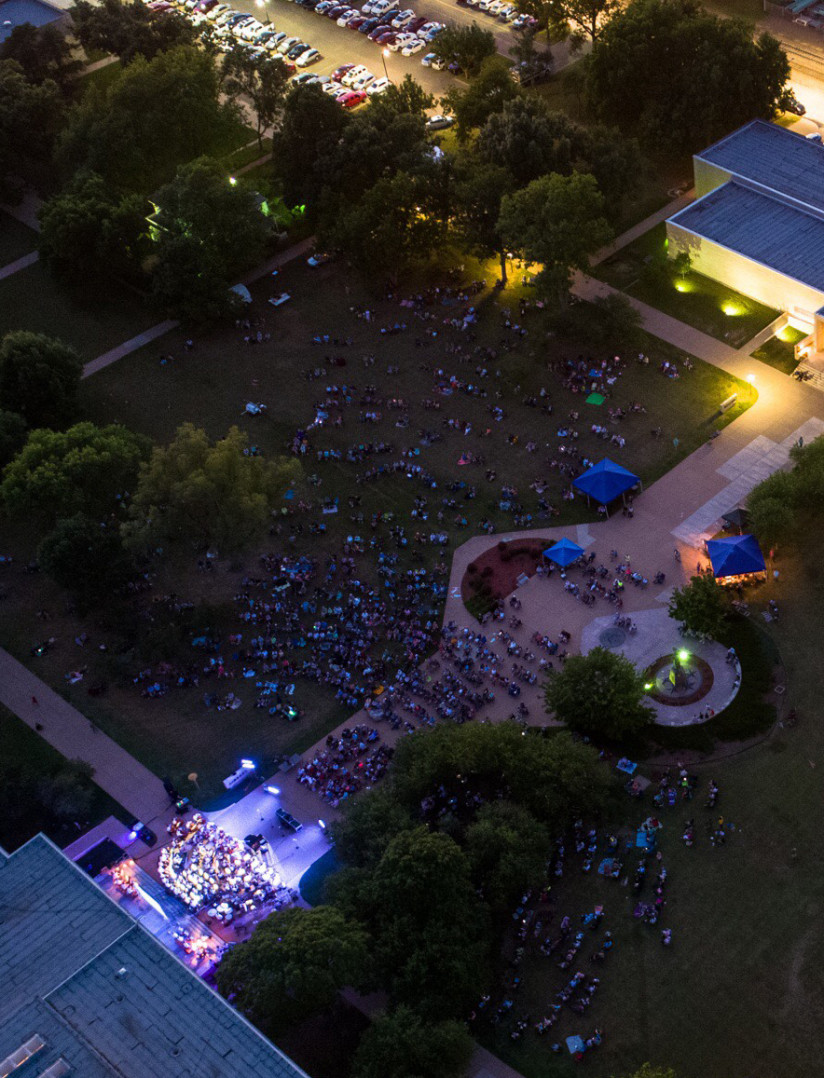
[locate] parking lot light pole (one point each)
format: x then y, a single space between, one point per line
264 4
384 54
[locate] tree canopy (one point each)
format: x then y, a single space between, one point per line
85 469
680 78
507 851
263 80
206 493
86 558
39 378
559 222
88 230
294 964
157 115
700 606
208 230
311 123
130 29
31 116
468 46
43 53
401 1045
599 694
485 95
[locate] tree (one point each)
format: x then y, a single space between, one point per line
599 694
43 53
580 20
30 118
158 114
262 79
700 607
68 794
388 229
468 46
86 558
401 1045
430 928
406 97
557 221
311 122
12 436
485 95
507 851
207 493
88 230
85 469
529 140
680 78
130 29
294 964
208 230
39 378
479 190
610 321
773 507
368 825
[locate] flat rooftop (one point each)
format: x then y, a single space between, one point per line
774 158
765 229
14 13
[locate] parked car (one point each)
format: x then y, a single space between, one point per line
404 17
311 56
287 44
400 42
439 122
352 99
339 72
298 50
412 47
362 81
319 258
332 88
379 86
353 74
368 25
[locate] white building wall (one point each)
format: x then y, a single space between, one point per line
752 279
707 176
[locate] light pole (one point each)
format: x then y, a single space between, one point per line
384 54
264 4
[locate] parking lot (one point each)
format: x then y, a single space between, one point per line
339 45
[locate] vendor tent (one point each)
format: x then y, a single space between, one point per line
605 481
737 518
564 552
735 556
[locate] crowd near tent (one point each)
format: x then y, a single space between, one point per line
605 481
736 556
564 552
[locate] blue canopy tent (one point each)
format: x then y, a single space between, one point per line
605 481
564 552
735 556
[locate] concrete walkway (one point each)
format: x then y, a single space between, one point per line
19 264
643 227
71 733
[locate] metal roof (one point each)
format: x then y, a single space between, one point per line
764 229
101 992
774 158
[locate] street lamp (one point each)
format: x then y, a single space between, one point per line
384 54
264 4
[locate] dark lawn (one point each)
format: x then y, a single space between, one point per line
93 317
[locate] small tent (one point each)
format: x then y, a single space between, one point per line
564 552
738 555
605 481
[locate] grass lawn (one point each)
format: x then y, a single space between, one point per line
25 758
779 351
705 304
211 385
739 993
16 239
101 78
92 317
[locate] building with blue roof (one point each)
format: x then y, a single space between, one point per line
757 224
14 13
87 991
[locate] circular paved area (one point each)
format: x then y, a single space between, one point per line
659 635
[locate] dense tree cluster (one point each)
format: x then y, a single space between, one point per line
679 78
129 29
782 501
599 694
700 606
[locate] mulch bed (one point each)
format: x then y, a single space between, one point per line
507 561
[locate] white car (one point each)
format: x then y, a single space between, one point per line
362 82
495 8
352 76
379 86
250 30
346 15
506 11
333 88
287 44
403 18
311 56
412 48
401 41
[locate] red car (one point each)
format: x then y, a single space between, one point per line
388 37
415 25
338 73
352 99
